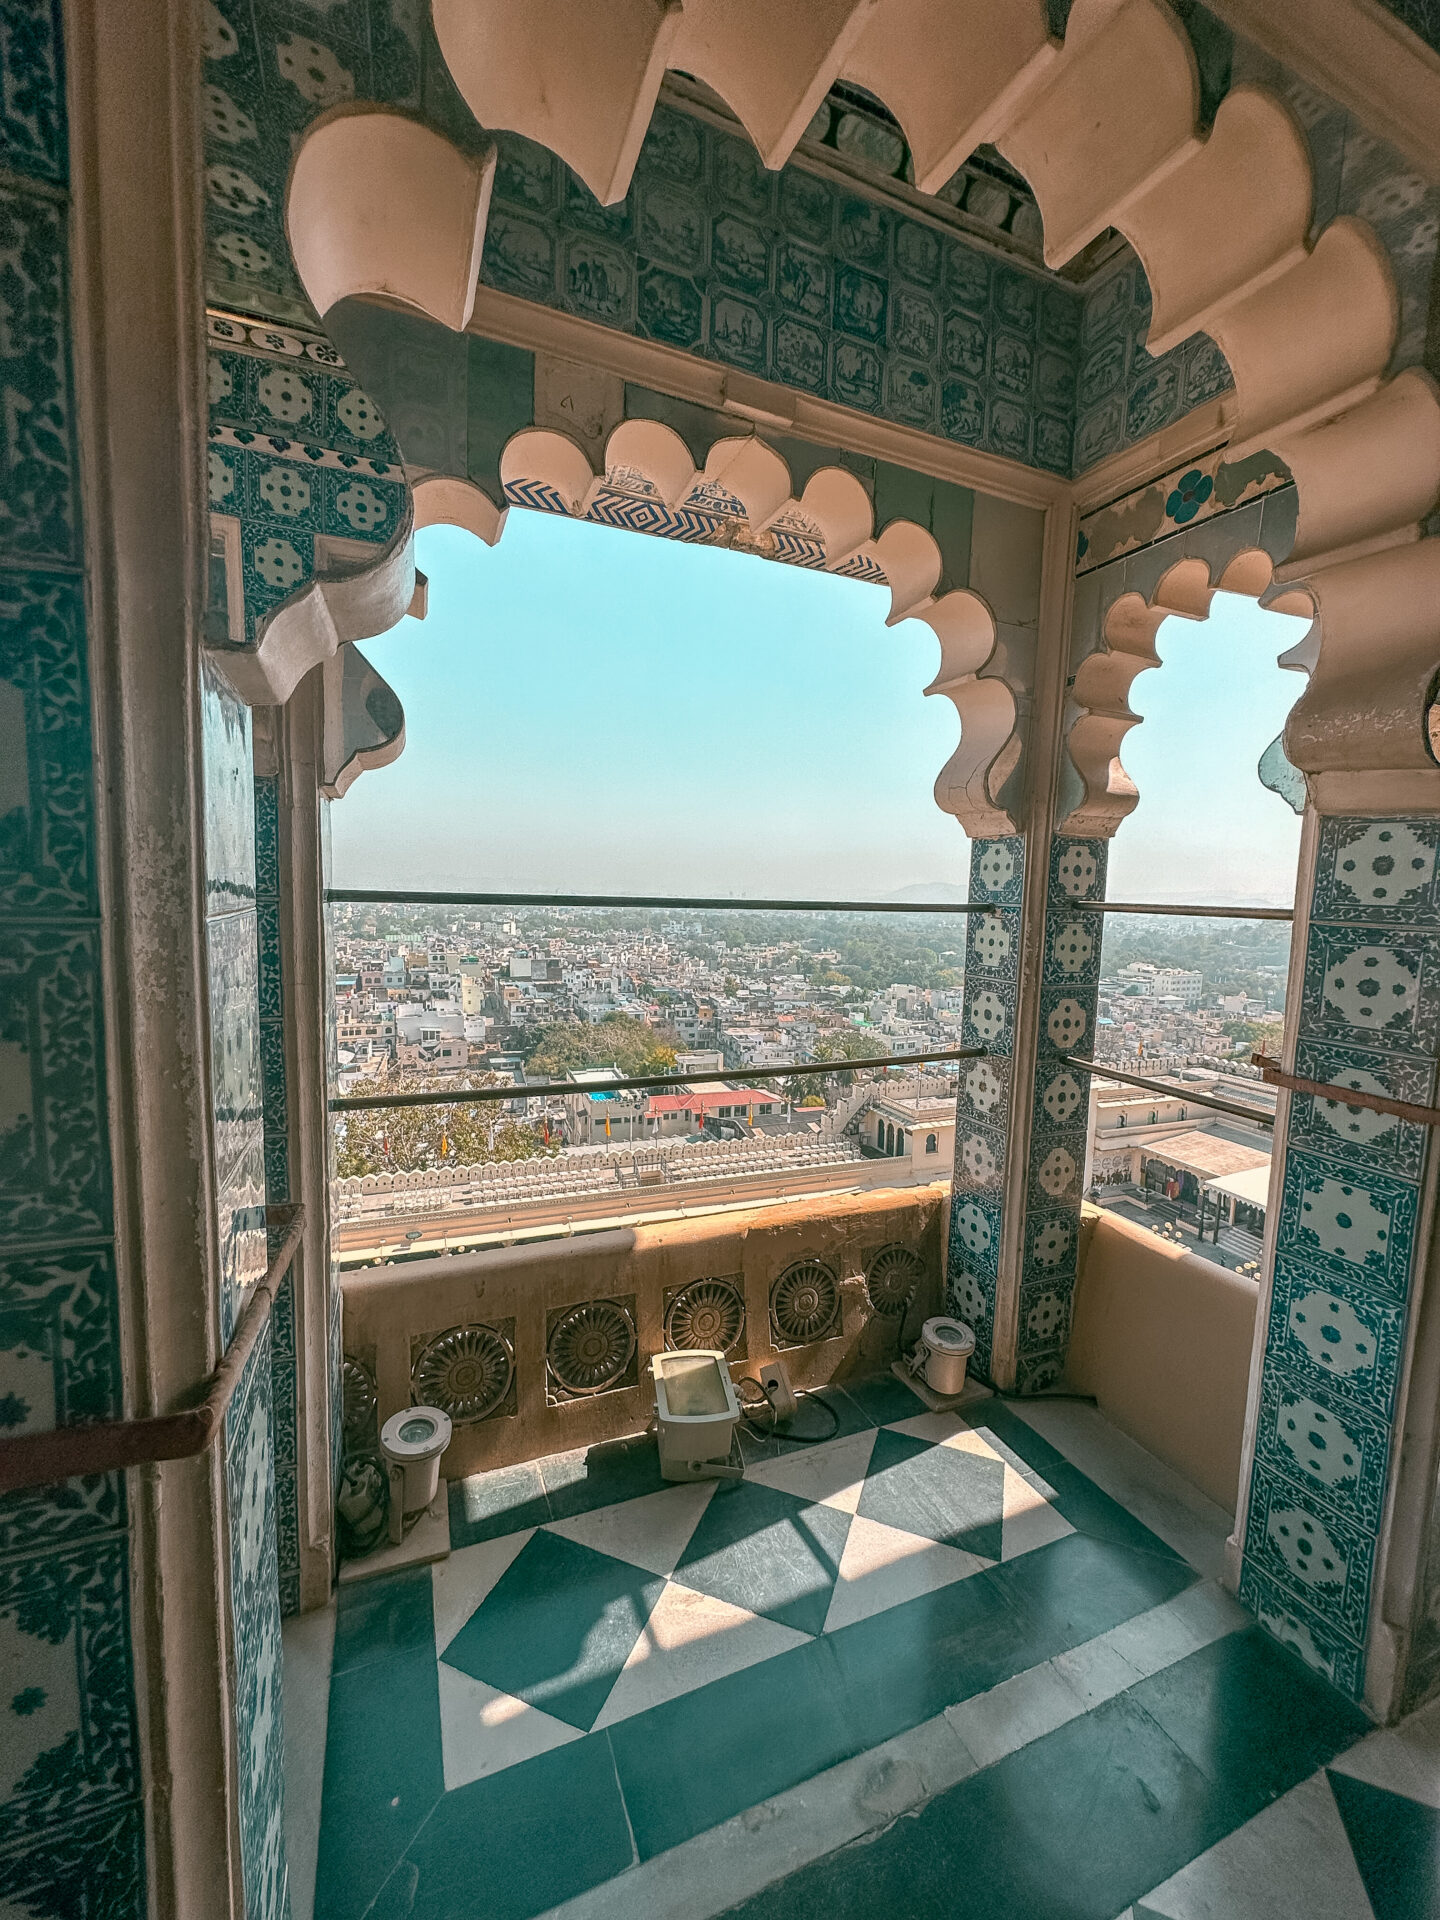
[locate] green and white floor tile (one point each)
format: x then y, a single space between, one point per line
622 1698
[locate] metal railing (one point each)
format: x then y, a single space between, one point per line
1184 913
40 1459
360 896
1169 1092
573 1089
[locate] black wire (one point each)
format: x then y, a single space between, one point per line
775 1430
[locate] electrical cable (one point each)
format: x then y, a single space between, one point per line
775 1430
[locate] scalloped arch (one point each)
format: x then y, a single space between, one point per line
1104 127
1103 680
743 498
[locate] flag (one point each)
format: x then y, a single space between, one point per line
607 1126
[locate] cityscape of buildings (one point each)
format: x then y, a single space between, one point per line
573 998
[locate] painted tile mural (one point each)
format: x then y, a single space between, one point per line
1122 392
71 1823
1350 1220
796 279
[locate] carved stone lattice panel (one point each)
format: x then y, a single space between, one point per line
805 1304
361 1402
467 1371
591 1348
891 1277
707 1314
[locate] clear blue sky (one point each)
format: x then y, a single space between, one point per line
596 711
1205 828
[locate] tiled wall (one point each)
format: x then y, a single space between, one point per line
799 280
1348 1242
1069 991
791 276
236 1028
1122 392
71 1822
1068 987
1357 173
297 455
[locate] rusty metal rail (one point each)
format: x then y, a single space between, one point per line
1103 1070
1274 1075
40 1459
557 1089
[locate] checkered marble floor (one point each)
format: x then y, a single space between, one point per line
549 1632
620 1699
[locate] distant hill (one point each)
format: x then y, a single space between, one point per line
932 893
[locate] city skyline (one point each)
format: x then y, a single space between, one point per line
533 763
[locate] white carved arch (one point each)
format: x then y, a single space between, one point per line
1104 127
380 204
1105 677
339 603
743 497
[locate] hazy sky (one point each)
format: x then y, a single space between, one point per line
595 711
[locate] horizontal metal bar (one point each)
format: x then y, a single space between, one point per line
473 1096
1106 1072
1274 1076
358 896
40 1459
1182 913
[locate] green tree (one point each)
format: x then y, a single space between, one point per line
618 1040
847 1044
1263 1036
416 1139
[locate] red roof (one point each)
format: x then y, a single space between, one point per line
708 1097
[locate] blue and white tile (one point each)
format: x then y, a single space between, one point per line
52 1097
1383 984
1313 1634
1335 1333
45 745
229 797
1309 1552
1379 872
1338 1453
1348 1222
1360 1134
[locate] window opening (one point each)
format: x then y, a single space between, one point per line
1189 989
591 707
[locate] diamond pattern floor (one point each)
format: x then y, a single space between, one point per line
590 1699
605 1614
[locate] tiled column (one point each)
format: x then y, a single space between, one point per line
1021 1115
72 1817
983 1110
1331 1528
